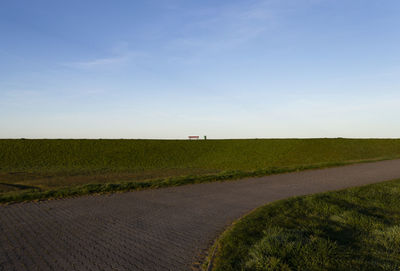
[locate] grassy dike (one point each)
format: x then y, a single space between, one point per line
351 229
40 169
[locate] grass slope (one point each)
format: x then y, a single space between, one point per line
36 169
352 229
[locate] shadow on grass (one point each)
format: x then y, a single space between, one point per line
21 186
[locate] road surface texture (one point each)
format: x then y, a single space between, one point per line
163 229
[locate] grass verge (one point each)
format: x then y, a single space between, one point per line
31 194
351 229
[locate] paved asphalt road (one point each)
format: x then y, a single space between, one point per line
164 229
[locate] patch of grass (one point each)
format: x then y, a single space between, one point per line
352 229
65 167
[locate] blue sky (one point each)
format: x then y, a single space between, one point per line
173 68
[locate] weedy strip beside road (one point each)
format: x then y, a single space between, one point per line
36 194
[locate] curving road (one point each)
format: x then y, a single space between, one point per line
164 229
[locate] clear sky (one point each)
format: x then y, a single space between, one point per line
225 69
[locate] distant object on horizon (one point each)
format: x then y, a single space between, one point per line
197 137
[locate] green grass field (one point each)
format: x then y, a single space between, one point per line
353 229
33 169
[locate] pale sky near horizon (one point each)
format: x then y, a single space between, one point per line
225 69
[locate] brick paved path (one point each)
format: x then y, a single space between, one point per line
164 229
